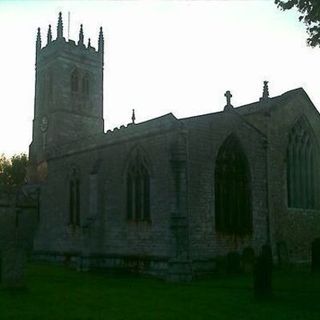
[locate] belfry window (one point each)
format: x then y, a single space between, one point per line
75 81
232 189
138 190
302 168
74 199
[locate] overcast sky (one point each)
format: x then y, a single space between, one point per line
160 57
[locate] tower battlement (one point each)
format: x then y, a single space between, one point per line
68 47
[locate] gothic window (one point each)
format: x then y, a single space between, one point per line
302 168
232 189
85 85
138 190
74 199
75 81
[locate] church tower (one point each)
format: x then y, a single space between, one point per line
68 91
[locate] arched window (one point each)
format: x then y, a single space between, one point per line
75 81
74 198
302 168
138 190
85 85
232 189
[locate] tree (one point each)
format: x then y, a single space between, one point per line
12 172
310 15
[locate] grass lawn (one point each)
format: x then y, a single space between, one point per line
55 292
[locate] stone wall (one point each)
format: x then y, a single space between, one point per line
206 134
181 156
18 220
291 229
104 230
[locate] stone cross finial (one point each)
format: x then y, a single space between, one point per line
133 118
228 96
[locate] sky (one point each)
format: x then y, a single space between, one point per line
160 57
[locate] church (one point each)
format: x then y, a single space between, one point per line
167 196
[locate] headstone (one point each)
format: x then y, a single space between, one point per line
233 263
247 260
13 267
283 256
315 255
263 273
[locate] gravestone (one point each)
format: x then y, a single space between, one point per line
263 273
247 260
13 267
283 256
233 262
315 255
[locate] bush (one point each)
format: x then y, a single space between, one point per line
315 255
263 273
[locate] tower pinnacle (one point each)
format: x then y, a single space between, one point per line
38 42
101 43
60 27
80 42
49 35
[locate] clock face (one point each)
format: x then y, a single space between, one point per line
44 124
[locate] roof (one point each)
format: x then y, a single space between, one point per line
258 106
169 122
153 126
270 103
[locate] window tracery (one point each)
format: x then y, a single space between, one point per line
232 189
302 168
138 189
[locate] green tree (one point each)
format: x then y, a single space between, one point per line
12 172
309 14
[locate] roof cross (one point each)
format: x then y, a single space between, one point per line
228 96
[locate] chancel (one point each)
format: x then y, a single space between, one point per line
166 196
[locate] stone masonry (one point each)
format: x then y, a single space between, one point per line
87 194
18 221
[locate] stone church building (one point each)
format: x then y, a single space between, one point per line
167 196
